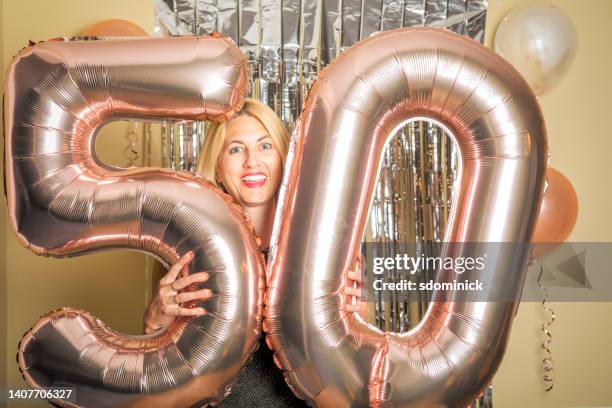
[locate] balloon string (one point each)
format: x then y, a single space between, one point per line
547 362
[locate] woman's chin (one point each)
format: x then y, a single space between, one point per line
255 201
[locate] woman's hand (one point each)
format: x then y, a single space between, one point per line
353 289
165 306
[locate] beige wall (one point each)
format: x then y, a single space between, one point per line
109 285
576 114
3 287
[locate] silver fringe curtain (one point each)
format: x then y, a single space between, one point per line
287 42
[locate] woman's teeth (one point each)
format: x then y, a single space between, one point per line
254 178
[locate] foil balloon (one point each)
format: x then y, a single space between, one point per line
335 359
63 202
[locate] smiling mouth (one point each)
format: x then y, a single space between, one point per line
254 180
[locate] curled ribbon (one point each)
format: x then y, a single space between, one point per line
547 362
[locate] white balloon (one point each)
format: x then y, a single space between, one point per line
540 41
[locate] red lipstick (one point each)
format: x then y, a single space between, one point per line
254 179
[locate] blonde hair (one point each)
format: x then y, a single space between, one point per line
216 135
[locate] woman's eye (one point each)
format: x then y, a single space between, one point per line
234 149
266 145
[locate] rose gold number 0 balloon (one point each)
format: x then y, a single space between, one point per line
333 358
63 202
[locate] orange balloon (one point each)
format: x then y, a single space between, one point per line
115 28
558 212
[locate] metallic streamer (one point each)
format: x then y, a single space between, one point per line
148 139
455 11
165 128
196 143
291 95
171 145
351 23
207 16
435 11
414 13
227 23
131 151
392 15
310 45
185 145
271 54
165 18
185 12
476 22
330 32
181 141
371 15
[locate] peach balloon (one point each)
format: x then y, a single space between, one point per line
559 210
115 28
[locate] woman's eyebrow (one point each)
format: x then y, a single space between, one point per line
235 141
229 142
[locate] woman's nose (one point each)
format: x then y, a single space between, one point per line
251 159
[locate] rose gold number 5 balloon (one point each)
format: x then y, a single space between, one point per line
63 202
333 358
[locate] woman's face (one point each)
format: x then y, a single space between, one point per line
250 167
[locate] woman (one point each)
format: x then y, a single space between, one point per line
245 157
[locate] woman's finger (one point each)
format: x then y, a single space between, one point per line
359 307
174 310
352 275
352 291
196 311
195 295
189 279
176 268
